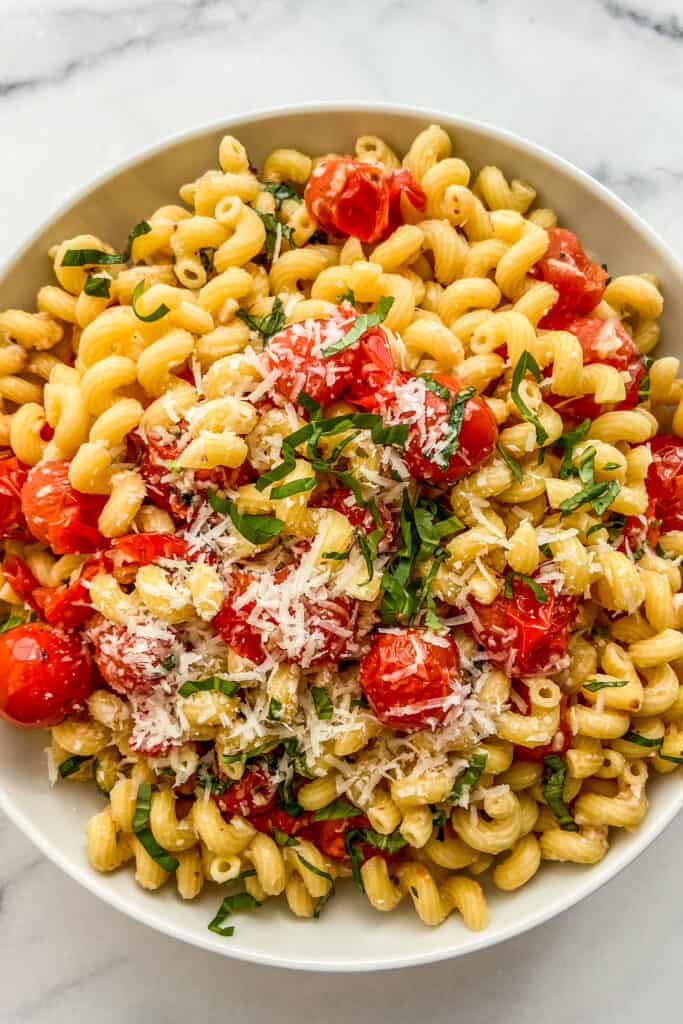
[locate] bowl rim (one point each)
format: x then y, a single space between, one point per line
587 883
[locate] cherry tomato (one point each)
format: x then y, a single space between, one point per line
342 500
579 281
375 373
329 836
69 605
665 481
21 580
283 822
13 476
44 675
524 634
329 626
59 515
127 554
411 678
602 341
560 742
402 183
428 414
254 793
297 352
348 197
642 530
129 661
166 489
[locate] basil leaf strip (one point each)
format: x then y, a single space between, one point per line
257 529
265 325
283 838
568 441
144 833
388 844
510 462
469 777
324 707
553 785
593 685
537 590
336 810
142 228
362 324
524 363
71 765
157 314
238 901
599 496
90 258
293 487
641 741
314 869
227 686
447 447
97 285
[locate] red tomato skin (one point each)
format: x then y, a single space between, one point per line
13 475
44 675
342 500
128 663
418 698
563 737
296 352
579 281
478 435
402 183
231 622
59 515
590 331
21 580
520 632
329 836
69 605
375 372
349 197
129 553
254 793
665 481
279 819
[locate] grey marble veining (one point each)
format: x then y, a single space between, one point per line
85 83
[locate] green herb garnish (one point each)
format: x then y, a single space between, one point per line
144 833
257 529
554 777
362 324
265 325
641 741
97 286
71 765
161 310
227 686
238 901
593 685
469 778
527 362
324 707
528 581
510 462
336 810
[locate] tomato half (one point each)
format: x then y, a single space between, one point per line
253 794
665 481
44 675
21 580
128 660
579 281
59 515
411 678
342 500
560 742
375 373
602 341
523 633
13 476
402 183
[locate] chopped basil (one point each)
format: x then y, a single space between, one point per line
510 462
249 755
280 191
274 710
273 226
11 622
287 799
568 441
439 819
546 550
537 590
161 310
266 325
143 228
336 810
446 448
71 765
611 465
314 869
337 556
293 487
555 773
322 902
431 527
144 833
670 757
313 408
227 686
468 778
206 778
388 844
97 285
348 296
90 258
324 707
283 838
599 496
641 741
169 663
527 362
438 389
238 901
257 529
362 324
206 256
644 386
593 685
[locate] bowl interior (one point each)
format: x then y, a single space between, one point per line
55 819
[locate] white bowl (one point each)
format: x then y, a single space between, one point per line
350 935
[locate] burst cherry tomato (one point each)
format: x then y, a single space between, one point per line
411 678
602 341
13 476
560 742
254 793
349 197
579 281
44 675
21 580
69 604
283 822
329 627
375 373
430 417
59 515
166 489
127 554
342 500
329 836
128 660
665 481
523 633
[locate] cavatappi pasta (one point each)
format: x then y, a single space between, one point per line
341 538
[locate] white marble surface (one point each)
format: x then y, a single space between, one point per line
84 84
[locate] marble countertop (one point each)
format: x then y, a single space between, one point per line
83 85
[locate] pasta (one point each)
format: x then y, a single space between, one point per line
348 534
